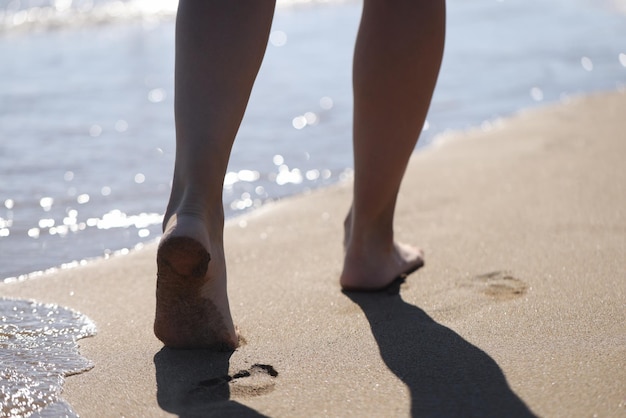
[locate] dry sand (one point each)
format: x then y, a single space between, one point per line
519 310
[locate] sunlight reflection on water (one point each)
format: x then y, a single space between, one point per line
87 124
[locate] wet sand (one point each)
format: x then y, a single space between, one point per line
519 310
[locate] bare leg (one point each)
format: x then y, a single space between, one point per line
219 49
396 63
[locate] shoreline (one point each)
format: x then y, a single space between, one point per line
107 159
437 141
522 225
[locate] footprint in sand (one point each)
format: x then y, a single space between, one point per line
499 285
255 381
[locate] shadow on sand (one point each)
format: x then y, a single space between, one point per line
194 383
446 375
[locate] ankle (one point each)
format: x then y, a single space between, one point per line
365 224
194 206
368 234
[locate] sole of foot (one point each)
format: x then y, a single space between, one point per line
190 312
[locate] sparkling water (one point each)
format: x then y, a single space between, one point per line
86 107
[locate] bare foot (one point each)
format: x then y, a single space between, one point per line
374 264
192 308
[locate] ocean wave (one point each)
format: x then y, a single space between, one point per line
29 15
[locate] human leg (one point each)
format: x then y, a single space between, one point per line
219 48
396 63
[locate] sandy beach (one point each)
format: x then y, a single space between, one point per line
519 310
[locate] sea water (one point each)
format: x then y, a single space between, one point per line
37 350
87 130
86 107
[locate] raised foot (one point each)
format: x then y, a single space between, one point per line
191 302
